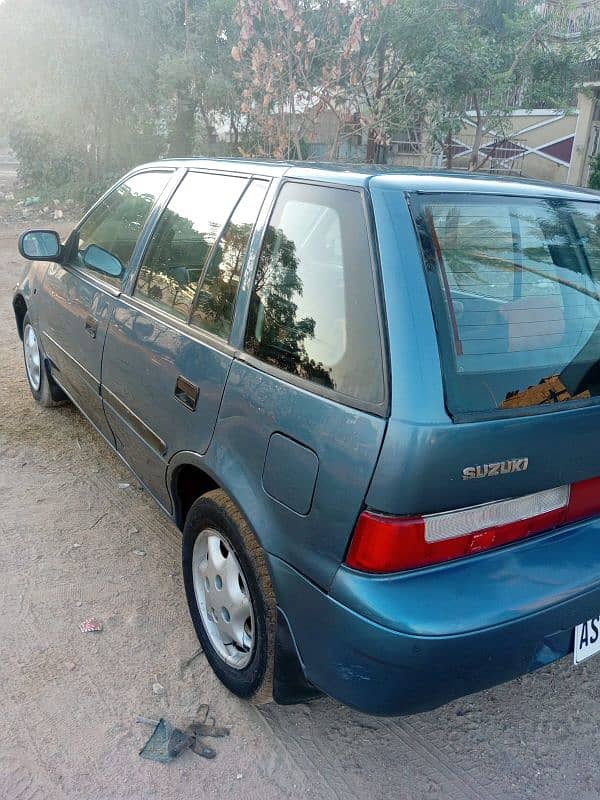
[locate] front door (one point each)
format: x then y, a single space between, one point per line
77 297
167 357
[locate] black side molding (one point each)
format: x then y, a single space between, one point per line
151 438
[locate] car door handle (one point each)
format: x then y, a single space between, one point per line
91 326
186 392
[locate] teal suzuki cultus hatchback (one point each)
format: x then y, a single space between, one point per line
367 398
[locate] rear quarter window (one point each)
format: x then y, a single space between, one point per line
313 310
515 292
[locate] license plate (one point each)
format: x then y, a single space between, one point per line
587 640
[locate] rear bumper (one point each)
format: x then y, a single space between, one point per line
516 611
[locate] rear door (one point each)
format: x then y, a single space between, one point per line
77 297
303 413
167 356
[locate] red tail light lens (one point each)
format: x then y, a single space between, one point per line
391 544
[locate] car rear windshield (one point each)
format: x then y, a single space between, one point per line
515 287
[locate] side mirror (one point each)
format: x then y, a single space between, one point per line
101 260
40 246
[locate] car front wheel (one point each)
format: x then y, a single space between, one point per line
43 388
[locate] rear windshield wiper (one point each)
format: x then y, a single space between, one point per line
506 264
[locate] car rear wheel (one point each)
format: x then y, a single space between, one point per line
230 596
43 388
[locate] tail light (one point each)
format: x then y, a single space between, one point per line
391 544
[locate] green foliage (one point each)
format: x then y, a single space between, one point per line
553 77
594 179
487 56
87 90
44 160
75 89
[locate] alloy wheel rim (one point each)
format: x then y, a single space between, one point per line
223 598
32 357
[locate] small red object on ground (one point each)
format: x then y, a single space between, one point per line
90 625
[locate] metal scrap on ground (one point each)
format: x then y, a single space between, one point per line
167 742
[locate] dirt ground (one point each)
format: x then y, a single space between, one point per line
68 540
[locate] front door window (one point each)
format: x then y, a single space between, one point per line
104 243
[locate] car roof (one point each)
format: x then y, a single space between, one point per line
384 176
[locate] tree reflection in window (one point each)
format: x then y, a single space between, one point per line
172 267
312 310
275 332
216 298
183 240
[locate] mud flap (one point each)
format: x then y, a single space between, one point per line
289 682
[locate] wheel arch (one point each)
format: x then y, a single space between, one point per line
189 476
20 309
187 481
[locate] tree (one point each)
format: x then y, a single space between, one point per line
377 79
196 78
286 69
298 59
480 54
80 106
117 82
382 66
594 179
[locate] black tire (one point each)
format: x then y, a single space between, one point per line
216 510
47 394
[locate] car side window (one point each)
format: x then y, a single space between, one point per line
104 243
313 310
215 302
183 240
